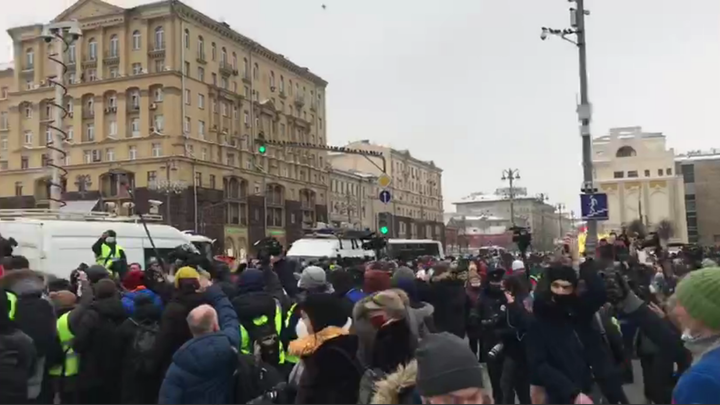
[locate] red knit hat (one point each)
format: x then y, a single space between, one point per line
376 280
133 280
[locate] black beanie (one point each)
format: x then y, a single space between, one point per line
324 310
446 364
564 273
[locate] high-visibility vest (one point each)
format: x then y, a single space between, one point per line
70 365
245 346
106 255
289 357
12 304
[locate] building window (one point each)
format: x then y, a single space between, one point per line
151 177
29 59
282 84
275 196
19 188
186 38
186 125
660 172
234 61
632 173
235 193
688 173
135 100
224 83
136 40
201 74
256 72
647 173
201 129
159 65
132 152
114 46
28 110
159 121
92 49
213 51
3 143
4 93
186 68
135 127
201 101
156 150
690 205
71 53
70 133
159 38
223 56
110 154
4 120
668 171
198 179
90 133
112 128
187 96
136 68
618 175
114 73
158 94
214 79
24 162
272 80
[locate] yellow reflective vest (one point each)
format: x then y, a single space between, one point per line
12 304
290 358
107 256
246 345
70 366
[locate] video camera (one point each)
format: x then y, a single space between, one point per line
6 246
188 255
266 248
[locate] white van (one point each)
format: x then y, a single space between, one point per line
316 247
57 244
409 249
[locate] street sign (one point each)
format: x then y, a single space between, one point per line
385 196
384 180
594 206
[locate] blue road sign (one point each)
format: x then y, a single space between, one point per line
594 206
385 196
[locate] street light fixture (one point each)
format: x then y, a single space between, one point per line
510 175
584 110
560 208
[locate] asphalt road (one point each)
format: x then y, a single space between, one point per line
634 391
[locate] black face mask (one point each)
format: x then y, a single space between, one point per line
564 300
494 290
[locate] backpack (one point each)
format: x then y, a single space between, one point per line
253 378
143 343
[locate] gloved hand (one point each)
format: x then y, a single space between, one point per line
620 294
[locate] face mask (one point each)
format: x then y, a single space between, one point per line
110 239
563 300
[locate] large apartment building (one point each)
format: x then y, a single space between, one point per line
169 101
416 207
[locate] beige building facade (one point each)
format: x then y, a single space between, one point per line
416 207
165 99
637 171
352 203
701 176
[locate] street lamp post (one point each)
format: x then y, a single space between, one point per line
542 198
510 175
560 208
584 110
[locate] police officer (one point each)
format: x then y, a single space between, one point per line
107 251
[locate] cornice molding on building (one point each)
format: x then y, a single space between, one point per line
99 82
191 15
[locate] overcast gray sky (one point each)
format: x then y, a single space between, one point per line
469 84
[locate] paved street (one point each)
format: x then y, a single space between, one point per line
635 391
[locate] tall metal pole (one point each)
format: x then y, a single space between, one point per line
585 117
56 152
560 227
512 199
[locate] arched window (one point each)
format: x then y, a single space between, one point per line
272 79
256 72
625 151
282 83
275 197
136 40
201 47
223 55
159 38
29 58
234 60
114 45
92 49
290 88
213 51
246 68
186 38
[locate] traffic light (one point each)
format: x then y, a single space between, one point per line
383 222
383 229
260 143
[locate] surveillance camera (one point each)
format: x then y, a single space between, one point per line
75 32
155 203
47 34
544 34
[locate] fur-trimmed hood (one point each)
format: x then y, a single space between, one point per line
396 388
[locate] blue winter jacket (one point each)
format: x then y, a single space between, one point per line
701 383
202 369
128 299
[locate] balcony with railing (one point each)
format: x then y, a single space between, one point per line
157 50
226 69
201 57
112 58
299 100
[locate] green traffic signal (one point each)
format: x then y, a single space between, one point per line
384 230
262 149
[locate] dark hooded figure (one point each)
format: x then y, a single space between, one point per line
566 353
492 311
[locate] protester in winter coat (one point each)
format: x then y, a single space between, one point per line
313 280
17 358
202 369
174 330
285 272
344 285
447 372
420 313
331 372
34 315
698 311
492 313
136 336
134 285
473 289
447 296
563 343
96 344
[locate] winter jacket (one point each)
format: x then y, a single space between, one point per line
17 366
447 295
701 383
174 330
96 343
139 385
35 316
331 373
128 299
563 343
285 275
202 369
398 387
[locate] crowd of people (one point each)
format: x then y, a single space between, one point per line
548 329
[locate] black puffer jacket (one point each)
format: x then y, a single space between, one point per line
96 343
17 366
452 306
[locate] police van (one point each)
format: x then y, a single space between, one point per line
56 242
